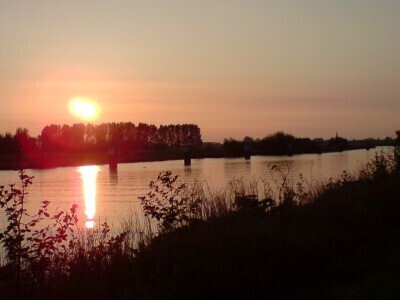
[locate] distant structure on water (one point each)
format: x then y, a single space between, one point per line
187 157
112 159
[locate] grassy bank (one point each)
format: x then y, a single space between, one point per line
336 240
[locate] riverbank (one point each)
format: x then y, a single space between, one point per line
345 245
55 160
46 160
338 240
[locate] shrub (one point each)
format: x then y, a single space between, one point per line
380 167
168 202
37 254
30 249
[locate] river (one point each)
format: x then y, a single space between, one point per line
102 194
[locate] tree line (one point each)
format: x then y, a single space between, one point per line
122 136
281 143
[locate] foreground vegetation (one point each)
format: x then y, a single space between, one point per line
334 240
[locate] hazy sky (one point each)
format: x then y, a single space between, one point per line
235 68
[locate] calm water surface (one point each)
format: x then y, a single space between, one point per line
102 194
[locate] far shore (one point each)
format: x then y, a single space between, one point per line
56 160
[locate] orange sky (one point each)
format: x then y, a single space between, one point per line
235 68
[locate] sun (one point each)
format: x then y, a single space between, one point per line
84 108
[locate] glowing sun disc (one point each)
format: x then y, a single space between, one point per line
83 108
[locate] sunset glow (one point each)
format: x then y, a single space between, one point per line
82 108
309 68
89 175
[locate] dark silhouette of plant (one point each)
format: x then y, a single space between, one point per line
251 204
30 249
397 152
380 167
14 236
100 248
169 202
48 246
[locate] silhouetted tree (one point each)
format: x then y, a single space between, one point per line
232 147
7 143
50 138
24 143
124 136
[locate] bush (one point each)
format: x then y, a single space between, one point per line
380 167
38 254
169 203
30 249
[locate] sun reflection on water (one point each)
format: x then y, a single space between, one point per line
89 175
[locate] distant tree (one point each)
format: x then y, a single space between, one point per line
116 134
142 135
7 143
23 141
100 134
78 137
190 135
152 133
338 142
125 136
90 136
233 147
50 138
278 143
129 132
248 140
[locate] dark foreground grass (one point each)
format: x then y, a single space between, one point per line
343 244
